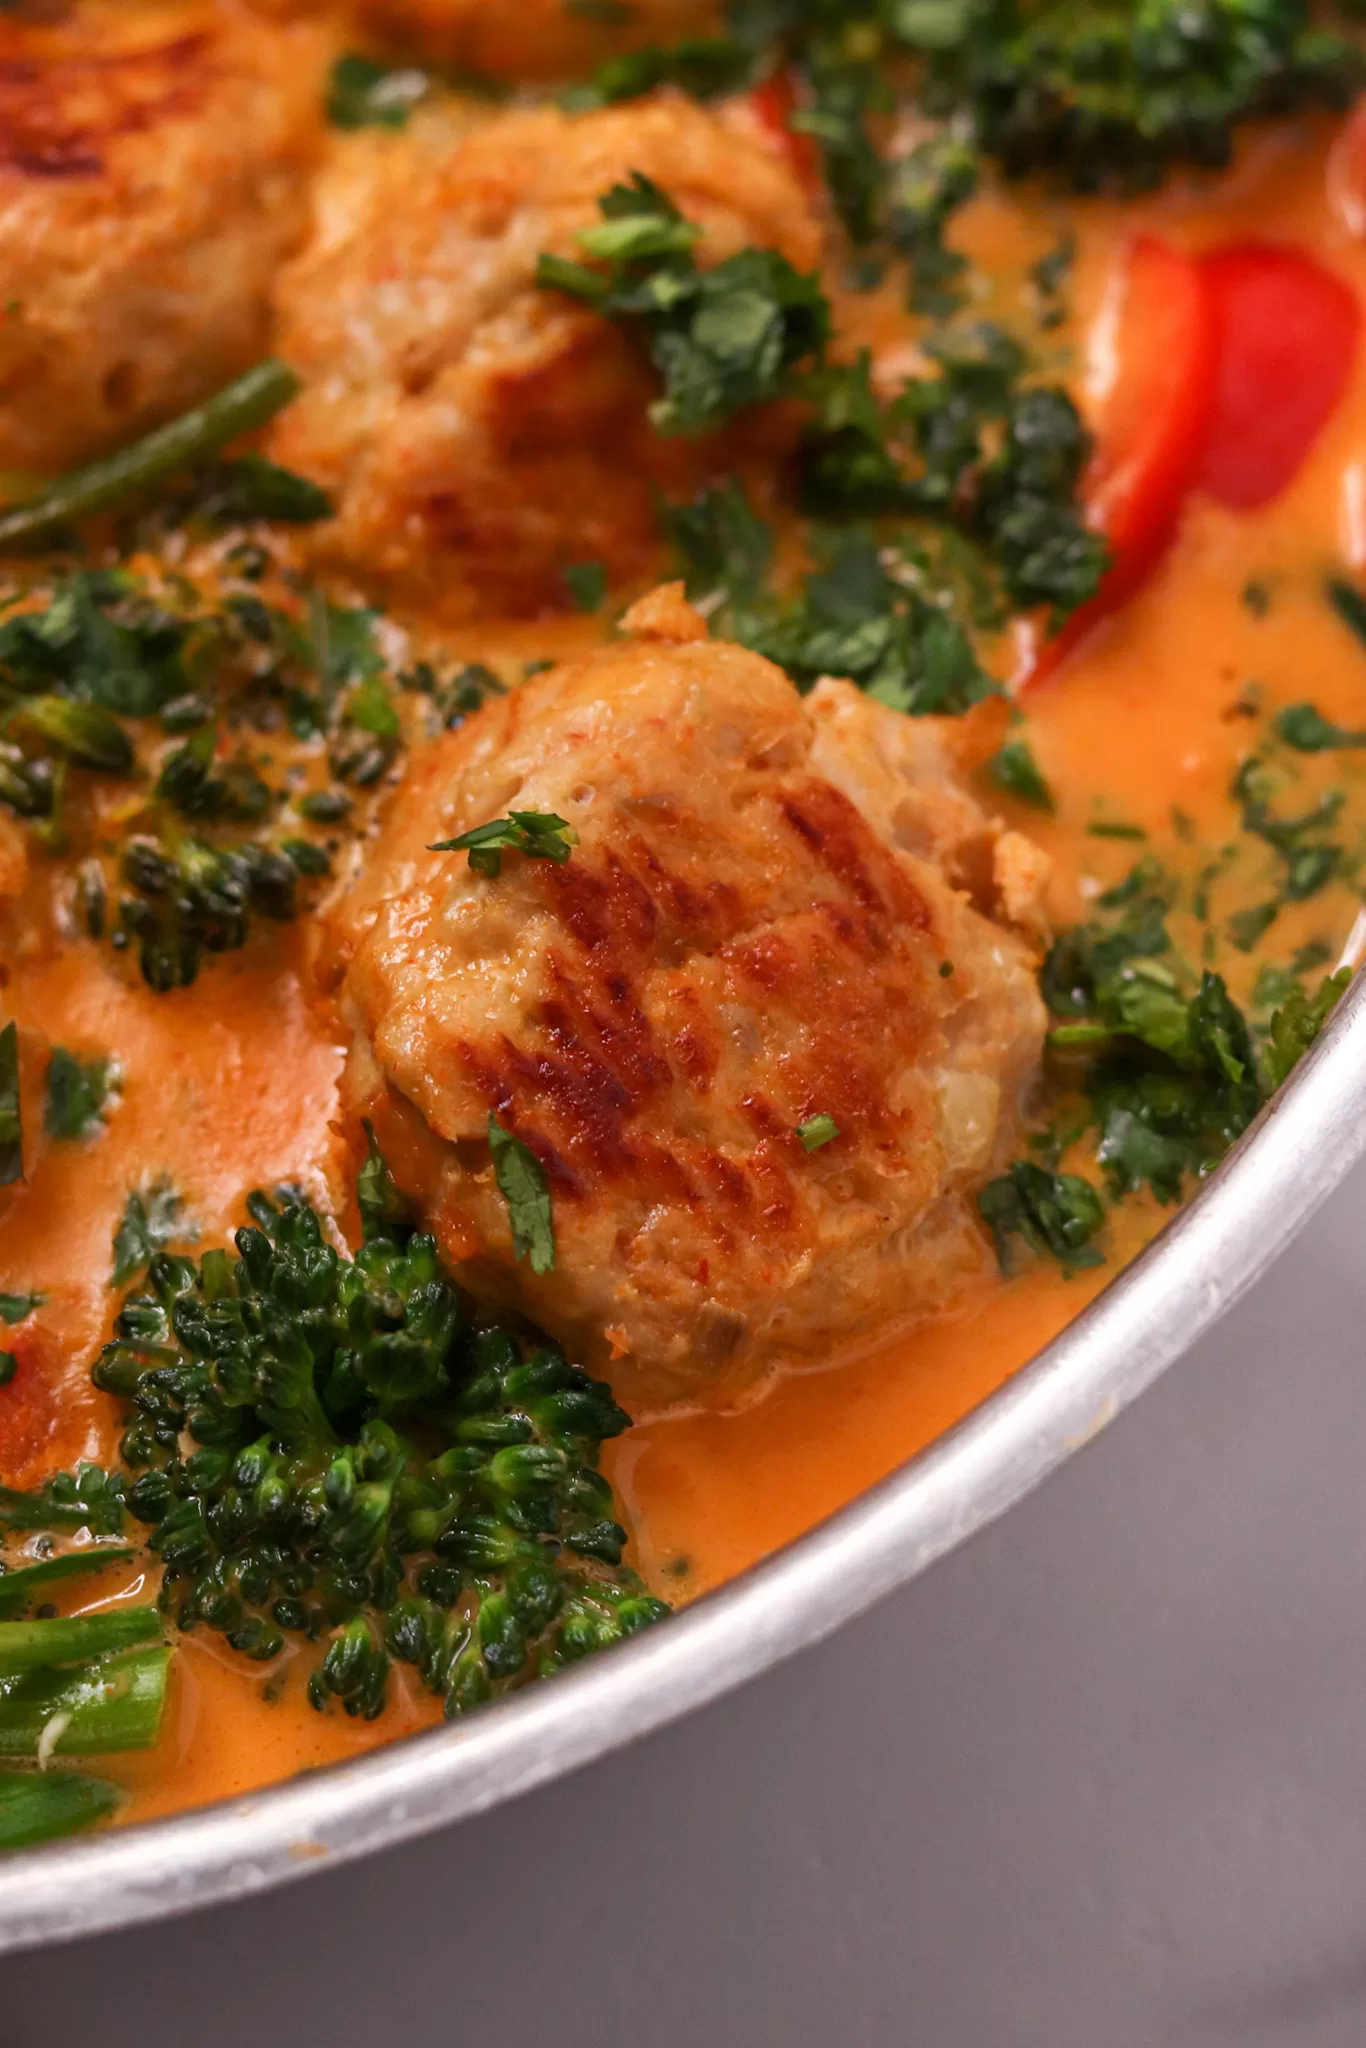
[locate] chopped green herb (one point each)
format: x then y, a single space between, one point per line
1014 768
817 1130
523 1185
1350 605
9 1366
363 94
251 487
701 66
1115 828
1304 727
540 835
1055 1213
152 1217
587 582
77 1091
1245 927
721 339
1298 1022
926 188
1256 595
14 1308
1049 276
1310 861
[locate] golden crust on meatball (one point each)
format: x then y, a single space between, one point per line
750 932
478 433
153 163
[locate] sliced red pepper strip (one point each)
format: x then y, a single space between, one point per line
1287 331
1150 430
772 104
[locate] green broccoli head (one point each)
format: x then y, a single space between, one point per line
1105 94
337 1448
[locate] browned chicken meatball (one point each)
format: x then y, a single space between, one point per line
153 161
478 433
778 909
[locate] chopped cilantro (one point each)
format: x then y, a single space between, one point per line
1115 828
1310 861
845 88
1298 1022
363 94
384 1210
853 615
721 339
250 487
927 186
1055 1213
587 584
1350 605
1245 927
540 835
152 1217
9 1366
524 1187
817 1130
77 1091
1049 275
1304 727
15 1307
1014 768
973 447
700 65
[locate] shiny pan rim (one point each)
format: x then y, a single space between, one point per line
1301 1147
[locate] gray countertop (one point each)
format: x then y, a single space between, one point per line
1097 1781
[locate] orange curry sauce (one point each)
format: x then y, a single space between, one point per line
231 1084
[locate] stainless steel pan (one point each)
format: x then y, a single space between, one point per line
1297 1152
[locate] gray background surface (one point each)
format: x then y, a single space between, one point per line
1097 1781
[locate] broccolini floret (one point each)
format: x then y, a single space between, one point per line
335 1449
1103 93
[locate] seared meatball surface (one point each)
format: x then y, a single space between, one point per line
477 433
766 918
153 162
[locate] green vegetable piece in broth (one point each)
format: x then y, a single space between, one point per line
43 1806
817 1130
152 1217
540 835
248 402
523 1185
77 1091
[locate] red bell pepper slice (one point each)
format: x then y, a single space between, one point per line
1286 333
1150 429
772 105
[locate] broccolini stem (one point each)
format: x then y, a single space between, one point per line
114 1704
38 1806
248 402
36 1645
17 1588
